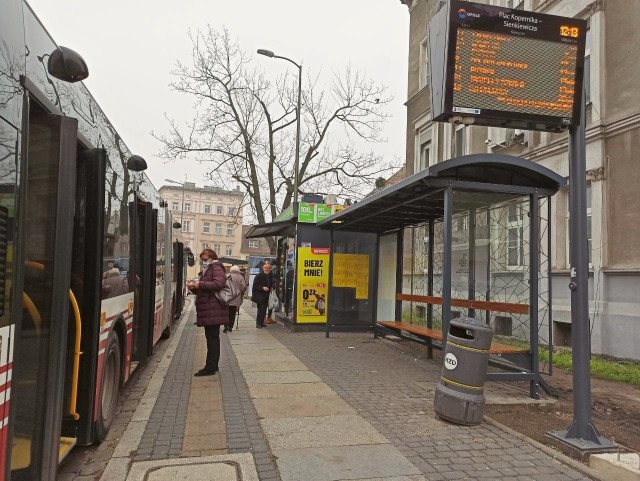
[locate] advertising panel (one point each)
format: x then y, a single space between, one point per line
313 284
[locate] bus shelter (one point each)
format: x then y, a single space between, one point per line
466 237
301 266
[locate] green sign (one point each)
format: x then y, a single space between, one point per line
307 213
323 211
285 214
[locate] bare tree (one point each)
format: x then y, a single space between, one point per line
245 126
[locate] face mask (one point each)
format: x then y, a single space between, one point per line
205 262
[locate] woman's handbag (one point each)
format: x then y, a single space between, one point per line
229 292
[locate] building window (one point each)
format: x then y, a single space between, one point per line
219 209
424 149
186 226
587 67
231 211
206 245
206 227
515 4
207 208
216 247
187 206
254 244
230 228
219 229
175 206
423 69
229 250
515 240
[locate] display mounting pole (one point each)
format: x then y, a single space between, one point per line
581 434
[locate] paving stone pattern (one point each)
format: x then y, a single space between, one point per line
393 390
244 433
164 432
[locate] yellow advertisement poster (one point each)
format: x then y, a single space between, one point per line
313 284
352 270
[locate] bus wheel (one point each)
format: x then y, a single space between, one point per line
166 334
110 391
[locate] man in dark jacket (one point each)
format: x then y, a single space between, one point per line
211 313
262 285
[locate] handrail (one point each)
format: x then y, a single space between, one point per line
76 357
35 315
29 305
469 303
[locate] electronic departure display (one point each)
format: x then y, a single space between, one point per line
502 67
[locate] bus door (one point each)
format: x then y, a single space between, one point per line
144 279
86 284
46 206
178 266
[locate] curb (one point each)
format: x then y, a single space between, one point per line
564 459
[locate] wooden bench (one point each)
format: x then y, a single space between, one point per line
425 332
496 347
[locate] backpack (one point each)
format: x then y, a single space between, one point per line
229 292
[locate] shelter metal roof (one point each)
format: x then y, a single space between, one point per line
280 228
420 197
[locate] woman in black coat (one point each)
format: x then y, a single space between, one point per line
211 313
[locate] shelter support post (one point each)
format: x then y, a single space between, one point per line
399 271
446 263
431 238
582 434
487 296
534 266
376 271
330 287
472 259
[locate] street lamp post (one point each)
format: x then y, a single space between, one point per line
183 186
270 54
296 174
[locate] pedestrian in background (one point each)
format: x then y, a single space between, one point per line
238 279
211 313
262 285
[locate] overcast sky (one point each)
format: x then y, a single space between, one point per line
131 46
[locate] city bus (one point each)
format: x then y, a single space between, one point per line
90 258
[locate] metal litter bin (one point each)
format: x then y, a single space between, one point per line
459 396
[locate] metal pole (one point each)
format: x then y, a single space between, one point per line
581 434
399 271
534 264
431 239
446 264
472 260
297 165
182 211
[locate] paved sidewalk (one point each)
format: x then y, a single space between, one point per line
296 406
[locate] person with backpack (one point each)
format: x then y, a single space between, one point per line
238 279
211 312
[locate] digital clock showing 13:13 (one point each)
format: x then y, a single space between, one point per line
567 31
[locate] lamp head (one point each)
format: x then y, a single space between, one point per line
136 163
67 65
266 53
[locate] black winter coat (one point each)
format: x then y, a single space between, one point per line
258 294
210 311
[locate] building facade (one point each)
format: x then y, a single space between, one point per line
211 217
253 247
612 177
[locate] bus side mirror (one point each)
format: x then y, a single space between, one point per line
191 260
177 225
